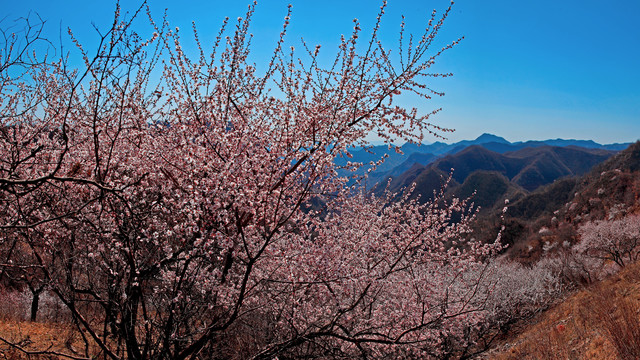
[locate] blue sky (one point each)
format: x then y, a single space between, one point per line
526 69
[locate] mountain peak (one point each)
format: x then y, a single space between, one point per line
486 138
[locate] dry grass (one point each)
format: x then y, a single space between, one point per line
37 337
601 322
54 336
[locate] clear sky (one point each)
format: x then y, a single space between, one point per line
526 69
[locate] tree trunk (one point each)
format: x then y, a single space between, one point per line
35 303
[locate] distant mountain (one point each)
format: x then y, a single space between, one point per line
475 158
487 138
502 148
607 185
482 139
396 163
590 144
428 180
486 188
529 168
497 176
415 158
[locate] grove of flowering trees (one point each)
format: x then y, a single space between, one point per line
617 241
184 205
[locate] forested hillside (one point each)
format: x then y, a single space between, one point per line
609 191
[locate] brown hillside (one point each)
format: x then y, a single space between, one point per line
600 322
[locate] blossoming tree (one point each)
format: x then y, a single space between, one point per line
617 241
183 206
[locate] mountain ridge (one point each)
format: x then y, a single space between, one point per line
496 176
424 154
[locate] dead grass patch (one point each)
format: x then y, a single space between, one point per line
600 322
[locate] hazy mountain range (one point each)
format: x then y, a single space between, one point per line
527 164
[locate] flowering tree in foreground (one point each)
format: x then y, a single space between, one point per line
179 208
617 241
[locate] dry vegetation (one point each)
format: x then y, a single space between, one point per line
53 336
598 322
35 337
